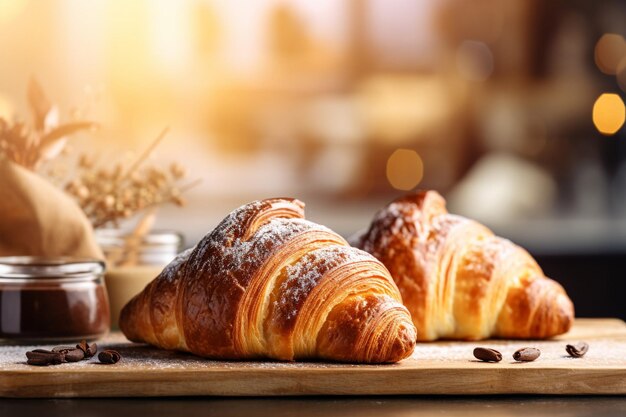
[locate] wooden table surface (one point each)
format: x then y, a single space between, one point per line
435 368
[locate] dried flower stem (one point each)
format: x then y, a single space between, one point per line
106 194
146 153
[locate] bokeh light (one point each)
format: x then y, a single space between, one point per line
405 169
474 61
609 51
608 113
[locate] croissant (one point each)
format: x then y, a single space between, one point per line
268 284
458 280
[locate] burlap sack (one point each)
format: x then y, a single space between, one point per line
38 219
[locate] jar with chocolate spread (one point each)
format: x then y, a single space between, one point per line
52 299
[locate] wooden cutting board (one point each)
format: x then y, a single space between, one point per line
434 368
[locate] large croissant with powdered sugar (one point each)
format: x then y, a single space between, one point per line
268 284
458 280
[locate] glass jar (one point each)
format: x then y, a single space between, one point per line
52 299
121 248
134 261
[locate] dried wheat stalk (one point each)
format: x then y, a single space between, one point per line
44 139
107 194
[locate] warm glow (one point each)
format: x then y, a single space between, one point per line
405 169
11 8
474 61
608 113
6 108
610 49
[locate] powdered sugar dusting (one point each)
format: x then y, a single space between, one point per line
224 250
603 352
140 358
269 237
304 275
171 271
399 220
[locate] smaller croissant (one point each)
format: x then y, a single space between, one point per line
268 284
458 280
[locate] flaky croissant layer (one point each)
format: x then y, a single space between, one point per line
268 284
458 280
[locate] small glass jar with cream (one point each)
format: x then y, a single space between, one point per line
134 261
52 299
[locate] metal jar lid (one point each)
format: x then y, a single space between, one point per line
28 268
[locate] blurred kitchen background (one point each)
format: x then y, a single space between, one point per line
513 109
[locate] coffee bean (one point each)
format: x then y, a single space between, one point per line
74 355
62 354
43 357
109 356
526 354
88 349
578 350
487 355
39 361
69 353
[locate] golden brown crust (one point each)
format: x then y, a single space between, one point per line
458 280
268 284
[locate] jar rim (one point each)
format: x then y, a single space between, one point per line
120 237
49 268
